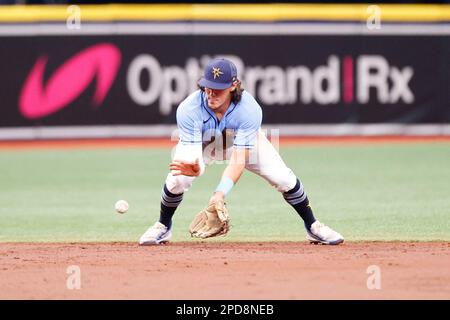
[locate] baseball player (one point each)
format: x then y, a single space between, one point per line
219 114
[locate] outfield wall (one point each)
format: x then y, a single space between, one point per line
121 70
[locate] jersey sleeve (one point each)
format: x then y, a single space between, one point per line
246 133
190 152
189 124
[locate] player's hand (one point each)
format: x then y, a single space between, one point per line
217 196
185 168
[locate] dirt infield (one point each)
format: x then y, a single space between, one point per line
224 271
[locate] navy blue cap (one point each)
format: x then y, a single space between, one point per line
219 74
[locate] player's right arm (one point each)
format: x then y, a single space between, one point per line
188 159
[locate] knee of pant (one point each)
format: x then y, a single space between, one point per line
286 181
178 184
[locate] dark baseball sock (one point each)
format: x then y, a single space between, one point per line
169 203
297 198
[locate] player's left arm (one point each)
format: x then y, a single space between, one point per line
244 141
232 172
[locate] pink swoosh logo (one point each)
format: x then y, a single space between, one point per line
69 81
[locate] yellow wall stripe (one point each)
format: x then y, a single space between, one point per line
226 12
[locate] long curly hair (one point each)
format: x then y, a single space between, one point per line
236 93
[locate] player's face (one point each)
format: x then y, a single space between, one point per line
219 98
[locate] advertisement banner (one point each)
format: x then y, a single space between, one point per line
297 79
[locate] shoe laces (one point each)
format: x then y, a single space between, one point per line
159 226
155 229
318 225
322 228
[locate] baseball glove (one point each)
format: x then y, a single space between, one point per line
212 221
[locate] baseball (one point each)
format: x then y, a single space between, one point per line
121 206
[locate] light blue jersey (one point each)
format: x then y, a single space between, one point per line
197 123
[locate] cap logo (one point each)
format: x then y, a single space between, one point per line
216 72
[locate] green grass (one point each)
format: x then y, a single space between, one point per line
366 192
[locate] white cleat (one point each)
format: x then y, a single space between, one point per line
320 233
156 234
